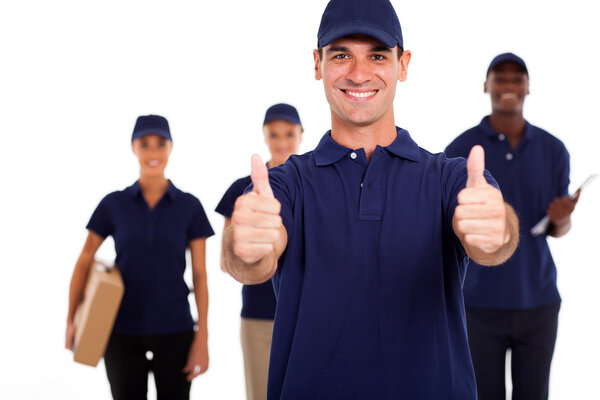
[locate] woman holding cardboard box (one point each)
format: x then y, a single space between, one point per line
152 223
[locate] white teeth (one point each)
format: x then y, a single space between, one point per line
153 163
361 94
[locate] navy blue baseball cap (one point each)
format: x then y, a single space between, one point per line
282 111
507 58
375 18
151 124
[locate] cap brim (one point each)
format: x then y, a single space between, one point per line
146 132
355 29
288 118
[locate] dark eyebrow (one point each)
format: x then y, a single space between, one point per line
381 49
335 49
376 49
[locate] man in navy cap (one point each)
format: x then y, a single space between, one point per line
366 237
516 306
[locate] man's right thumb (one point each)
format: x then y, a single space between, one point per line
260 177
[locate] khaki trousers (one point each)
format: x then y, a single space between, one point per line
256 345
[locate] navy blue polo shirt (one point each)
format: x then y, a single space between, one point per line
369 288
150 247
258 301
530 176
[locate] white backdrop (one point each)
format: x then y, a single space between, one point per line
74 75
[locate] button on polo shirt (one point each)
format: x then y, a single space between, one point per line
369 299
150 253
530 176
258 301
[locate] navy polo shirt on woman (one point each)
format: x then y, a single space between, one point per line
369 288
258 301
530 176
150 247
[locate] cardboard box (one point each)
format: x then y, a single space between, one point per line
96 313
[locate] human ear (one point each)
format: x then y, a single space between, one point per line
403 65
318 74
266 134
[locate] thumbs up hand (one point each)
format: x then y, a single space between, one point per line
480 218
256 224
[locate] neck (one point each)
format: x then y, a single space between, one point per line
153 184
271 163
512 125
381 132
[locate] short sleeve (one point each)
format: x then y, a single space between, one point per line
101 221
199 226
225 206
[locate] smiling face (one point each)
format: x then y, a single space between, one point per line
283 139
153 153
508 85
359 76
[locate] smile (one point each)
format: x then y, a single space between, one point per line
153 163
508 96
360 95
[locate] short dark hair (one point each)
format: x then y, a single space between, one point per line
400 52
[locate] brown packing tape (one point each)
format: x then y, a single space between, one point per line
96 313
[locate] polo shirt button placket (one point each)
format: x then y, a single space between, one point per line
509 156
353 155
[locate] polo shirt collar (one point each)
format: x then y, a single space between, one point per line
403 146
135 190
492 134
328 151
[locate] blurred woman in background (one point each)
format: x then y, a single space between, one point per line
283 133
152 223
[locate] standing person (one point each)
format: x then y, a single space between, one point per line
516 306
152 223
367 236
283 133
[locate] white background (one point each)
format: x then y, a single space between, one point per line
74 75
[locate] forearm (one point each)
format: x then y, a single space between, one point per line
201 295
226 225
77 286
506 250
249 274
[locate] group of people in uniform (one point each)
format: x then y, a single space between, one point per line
372 268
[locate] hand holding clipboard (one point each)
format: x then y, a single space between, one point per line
541 227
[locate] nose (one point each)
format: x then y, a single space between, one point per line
359 72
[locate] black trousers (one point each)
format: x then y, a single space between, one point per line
530 334
127 366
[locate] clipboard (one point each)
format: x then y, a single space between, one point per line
541 227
